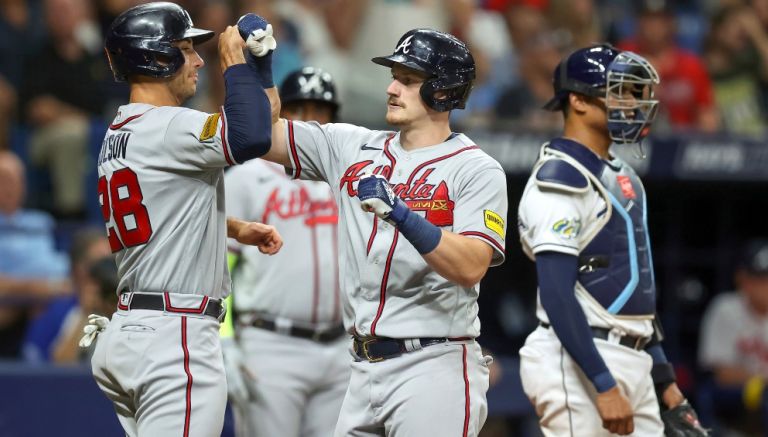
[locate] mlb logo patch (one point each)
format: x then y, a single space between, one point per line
626 187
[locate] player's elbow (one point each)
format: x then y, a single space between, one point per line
470 277
251 143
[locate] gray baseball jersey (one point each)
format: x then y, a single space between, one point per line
732 334
300 283
161 192
391 291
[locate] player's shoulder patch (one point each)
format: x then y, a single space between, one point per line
561 175
494 222
209 127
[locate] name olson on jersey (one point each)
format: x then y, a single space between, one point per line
113 147
432 199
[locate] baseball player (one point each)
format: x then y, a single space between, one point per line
161 193
287 307
422 215
594 365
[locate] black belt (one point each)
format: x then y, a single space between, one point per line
630 341
159 302
322 336
374 349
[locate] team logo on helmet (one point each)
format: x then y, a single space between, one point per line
311 84
404 46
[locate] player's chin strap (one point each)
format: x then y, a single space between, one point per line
96 324
640 151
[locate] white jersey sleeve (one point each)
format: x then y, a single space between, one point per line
551 220
316 151
241 203
161 188
199 141
720 329
481 207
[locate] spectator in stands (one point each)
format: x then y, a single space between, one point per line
521 105
53 336
577 18
495 63
217 15
365 27
734 343
315 40
62 91
31 271
21 34
737 58
288 55
7 111
685 94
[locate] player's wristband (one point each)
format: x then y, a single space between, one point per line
663 374
753 393
423 235
603 382
262 67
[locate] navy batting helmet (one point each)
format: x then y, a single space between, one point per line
140 40
444 58
624 79
310 83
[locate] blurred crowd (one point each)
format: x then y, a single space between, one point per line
57 95
56 88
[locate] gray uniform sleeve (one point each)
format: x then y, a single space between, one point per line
481 208
236 194
720 329
317 151
197 141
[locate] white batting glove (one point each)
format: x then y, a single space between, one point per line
96 324
376 196
240 381
257 34
260 42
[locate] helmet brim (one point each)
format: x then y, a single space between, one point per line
198 36
389 61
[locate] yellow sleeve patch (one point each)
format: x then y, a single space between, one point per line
494 222
209 128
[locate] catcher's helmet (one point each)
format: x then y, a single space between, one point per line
625 79
140 40
310 83
442 56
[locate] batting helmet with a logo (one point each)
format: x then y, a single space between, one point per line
310 83
625 80
444 58
140 40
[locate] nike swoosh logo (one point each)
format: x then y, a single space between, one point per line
366 147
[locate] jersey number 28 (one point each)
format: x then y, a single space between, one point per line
122 195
